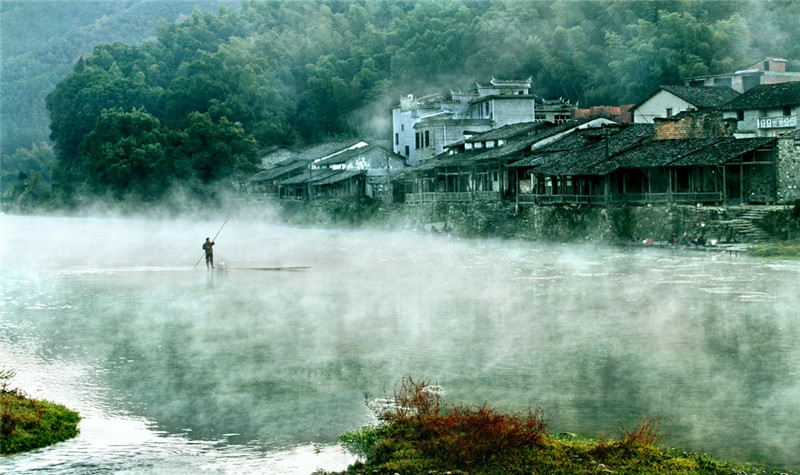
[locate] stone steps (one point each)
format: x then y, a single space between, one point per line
502 223
745 228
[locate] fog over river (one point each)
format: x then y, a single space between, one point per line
177 369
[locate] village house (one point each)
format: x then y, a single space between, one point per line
266 181
331 170
475 168
422 128
698 145
643 164
669 101
767 110
371 163
280 178
763 71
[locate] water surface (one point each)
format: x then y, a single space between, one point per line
177 369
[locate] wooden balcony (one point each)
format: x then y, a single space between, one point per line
629 198
436 197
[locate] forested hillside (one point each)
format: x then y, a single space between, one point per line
197 100
41 40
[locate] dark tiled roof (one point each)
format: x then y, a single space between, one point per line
654 153
582 160
447 160
337 177
508 131
278 170
276 154
369 151
766 96
720 152
323 150
435 120
309 176
703 96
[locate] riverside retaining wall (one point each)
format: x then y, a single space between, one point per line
611 224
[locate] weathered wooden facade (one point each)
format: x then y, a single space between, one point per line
376 163
266 181
628 165
323 184
477 167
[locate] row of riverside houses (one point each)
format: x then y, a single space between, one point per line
691 144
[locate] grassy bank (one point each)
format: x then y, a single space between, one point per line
788 250
28 424
420 434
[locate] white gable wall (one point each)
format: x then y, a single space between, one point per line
657 106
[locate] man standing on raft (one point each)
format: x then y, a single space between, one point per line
208 246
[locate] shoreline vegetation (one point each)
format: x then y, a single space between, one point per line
29 424
420 433
787 250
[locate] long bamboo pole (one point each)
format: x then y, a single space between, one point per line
215 238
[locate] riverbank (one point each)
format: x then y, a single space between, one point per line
769 230
29 424
421 434
786 250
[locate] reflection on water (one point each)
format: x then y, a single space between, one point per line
176 369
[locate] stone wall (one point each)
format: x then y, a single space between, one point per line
615 224
788 169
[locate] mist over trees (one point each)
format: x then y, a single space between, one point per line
197 100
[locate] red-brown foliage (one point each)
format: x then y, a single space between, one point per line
465 435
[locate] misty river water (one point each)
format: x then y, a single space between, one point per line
177 369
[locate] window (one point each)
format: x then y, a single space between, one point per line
397 139
407 151
739 115
787 111
669 112
427 138
402 127
416 140
487 109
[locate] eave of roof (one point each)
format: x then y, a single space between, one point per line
581 161
721 152
309 177
337 177
767 96
700 96
278 170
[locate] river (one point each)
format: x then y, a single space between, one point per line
179 369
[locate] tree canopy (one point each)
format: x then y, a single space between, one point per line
197 99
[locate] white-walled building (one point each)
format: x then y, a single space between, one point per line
768 110
763 71
669 101
423 127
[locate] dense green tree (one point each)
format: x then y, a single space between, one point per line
265 72
125 153
212 150
78 100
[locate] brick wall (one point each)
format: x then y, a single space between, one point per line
694 126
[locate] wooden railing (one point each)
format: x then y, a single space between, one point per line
694 197
569 199
435 197
638 198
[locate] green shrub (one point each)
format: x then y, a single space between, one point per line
28 423
421 434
